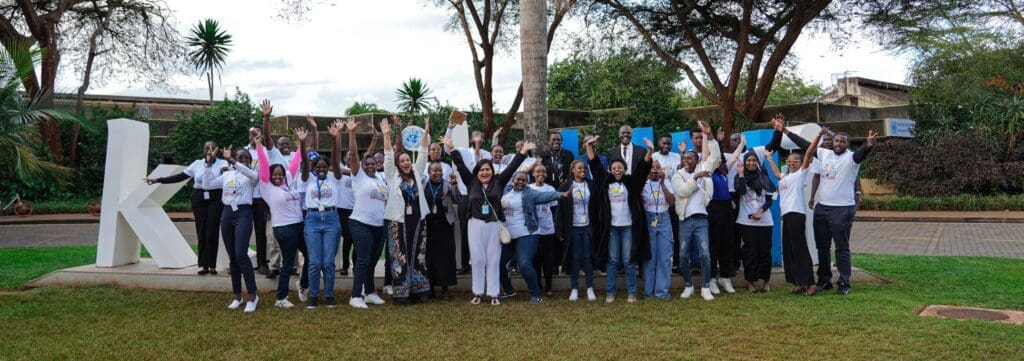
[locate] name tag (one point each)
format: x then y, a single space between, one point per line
434 209
408 210
234 208
320 207
206 195
485 210
654 223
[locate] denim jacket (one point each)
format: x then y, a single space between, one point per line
531 198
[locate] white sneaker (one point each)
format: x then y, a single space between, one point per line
590 294
706 293
726 285
235 304
714 287
250 307
388 290
303 292
687 292
574 295
357 302
283 304
373 299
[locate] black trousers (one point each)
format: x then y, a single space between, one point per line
796 257
833 224
548 258
207 213
464 239
674 219
722 240
757 252
347 254
236 228
260 216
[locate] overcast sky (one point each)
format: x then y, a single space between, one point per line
363 50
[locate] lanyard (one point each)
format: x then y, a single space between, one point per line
434 191
319 191
581 196
656 196
409 191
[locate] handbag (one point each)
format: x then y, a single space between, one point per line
503 234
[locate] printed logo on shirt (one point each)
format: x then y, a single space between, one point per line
829 170
325 191
381 193
506 207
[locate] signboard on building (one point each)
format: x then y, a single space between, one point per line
896 127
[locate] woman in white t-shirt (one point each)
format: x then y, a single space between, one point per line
521 220
280 191
205 201
321 227
796 256
581 222
754 218
550 247
371 192
238 183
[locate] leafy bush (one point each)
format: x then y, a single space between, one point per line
954 164
966 203
227 122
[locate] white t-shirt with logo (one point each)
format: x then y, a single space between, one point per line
750 203
371 195
838 178
515 219
346 196
618 197
545 220
791 191
580 202
284 203
669 162
203 176
238 187
321 192
654 197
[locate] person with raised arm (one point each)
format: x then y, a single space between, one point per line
371 193
693 188
470 156
285 203
580 221
259 136
622 209
755 221
519 205
322 228
205 201
796 256
723 238
238 183
484 191
406 209
658 200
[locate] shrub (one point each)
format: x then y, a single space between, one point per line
227 122
955 164
966 203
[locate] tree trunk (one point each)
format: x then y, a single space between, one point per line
209 82
533 46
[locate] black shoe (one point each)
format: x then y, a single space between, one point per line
344 271
295 273
330 302
445 296
311 303
273 274
825 285
263 270
204 271
843 290
507 294
677 270
213 272
464 271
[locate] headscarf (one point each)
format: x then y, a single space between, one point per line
758 179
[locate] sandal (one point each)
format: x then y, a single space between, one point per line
495 301
811 290
476 300
751 288
798 290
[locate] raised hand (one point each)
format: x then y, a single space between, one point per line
266 107
497 133
871 138
591 139
311 121
682 147
704 127
649 144
385 126
527 147
779 122
720 136
426 126
350 125
301 133
226 153
767 153
450 145
396 121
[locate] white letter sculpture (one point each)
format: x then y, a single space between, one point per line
132 211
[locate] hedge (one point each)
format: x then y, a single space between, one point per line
965 203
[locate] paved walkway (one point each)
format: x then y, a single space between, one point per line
959 234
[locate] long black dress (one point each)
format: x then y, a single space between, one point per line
441 199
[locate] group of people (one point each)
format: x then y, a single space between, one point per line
647 213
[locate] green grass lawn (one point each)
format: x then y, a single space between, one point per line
874 322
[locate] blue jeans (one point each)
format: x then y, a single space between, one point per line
323 232
620 247
288 237
369 241
694 233
658 271
526 249
580 247
236 228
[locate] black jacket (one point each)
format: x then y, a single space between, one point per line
641 248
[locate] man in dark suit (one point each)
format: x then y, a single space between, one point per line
556 160
630 154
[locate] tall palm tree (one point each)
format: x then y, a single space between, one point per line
414 97
209 45
533 24
18 116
